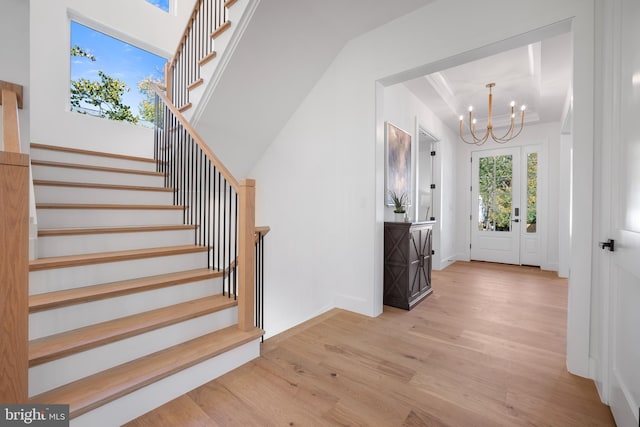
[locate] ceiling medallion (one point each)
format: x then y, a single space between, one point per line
501 140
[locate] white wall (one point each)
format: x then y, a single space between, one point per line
321 182
14 51
402 107
547 136
134 21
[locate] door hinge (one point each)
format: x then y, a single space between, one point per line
471 188
469 245
470 217
433 153
471 160
433 186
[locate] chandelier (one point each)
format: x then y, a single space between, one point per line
501 140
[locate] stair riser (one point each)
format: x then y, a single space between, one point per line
52 246
58 279
87 159
63 319
56 194
62 371
53 173
69 218
150 397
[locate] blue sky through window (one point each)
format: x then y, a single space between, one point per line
162 4
117 59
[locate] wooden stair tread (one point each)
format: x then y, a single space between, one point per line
221 29
207 58
229 3
47 301
111 230
94 168
53 347
104 257
104 206
91 153
40 182
195 84
96 390
185 107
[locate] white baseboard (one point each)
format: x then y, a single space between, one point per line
623 406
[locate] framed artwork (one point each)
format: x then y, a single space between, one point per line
398 167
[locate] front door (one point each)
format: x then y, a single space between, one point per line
504 206
495 205
624 312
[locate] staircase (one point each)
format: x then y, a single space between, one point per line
124 314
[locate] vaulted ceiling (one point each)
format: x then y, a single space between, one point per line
537 75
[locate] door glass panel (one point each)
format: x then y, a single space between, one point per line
495 196
532 192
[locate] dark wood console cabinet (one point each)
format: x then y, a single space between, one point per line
407 263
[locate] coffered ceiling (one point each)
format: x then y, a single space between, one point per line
537 75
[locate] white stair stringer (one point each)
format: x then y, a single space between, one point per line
73 244
141 401
57 279
53 321
67 369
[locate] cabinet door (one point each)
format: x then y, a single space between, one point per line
420 261
415 262
425 267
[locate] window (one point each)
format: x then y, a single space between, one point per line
495 196
532 192
108 76
162 4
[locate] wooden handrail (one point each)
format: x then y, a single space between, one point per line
196 137
14 253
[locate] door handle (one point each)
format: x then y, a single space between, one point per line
515 220
609 244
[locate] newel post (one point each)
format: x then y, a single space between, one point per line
14 276
246 253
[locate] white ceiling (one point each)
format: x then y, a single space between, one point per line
537 75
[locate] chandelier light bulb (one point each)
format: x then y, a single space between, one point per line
513 103
461 118
470 108
474 121
524 107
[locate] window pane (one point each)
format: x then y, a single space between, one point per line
495 198
162 4
532 191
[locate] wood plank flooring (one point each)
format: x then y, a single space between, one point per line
487 348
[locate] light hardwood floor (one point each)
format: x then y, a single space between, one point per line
487 348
